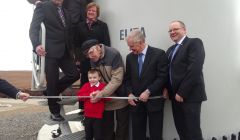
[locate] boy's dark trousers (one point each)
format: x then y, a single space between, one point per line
93 128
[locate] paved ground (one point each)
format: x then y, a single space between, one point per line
21 120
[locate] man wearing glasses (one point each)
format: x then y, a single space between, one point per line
186 84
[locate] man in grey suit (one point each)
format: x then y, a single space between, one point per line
186 84
58 50
146 76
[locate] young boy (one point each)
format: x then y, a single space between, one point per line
93 112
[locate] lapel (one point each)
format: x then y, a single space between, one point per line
170 51
146 61
135 62
181 47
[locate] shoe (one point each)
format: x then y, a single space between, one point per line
56 117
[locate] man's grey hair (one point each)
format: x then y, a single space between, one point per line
181 23
136 36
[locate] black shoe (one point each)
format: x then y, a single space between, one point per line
56 117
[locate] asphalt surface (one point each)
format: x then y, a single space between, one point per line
22 120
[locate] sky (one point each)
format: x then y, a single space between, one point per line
15 48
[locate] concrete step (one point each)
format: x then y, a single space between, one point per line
69 128
80 135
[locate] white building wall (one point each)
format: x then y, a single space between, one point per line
217 23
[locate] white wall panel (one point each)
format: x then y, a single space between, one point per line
217 23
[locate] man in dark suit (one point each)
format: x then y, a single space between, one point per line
11 91
58 50
186 84
145 82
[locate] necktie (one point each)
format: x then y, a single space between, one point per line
60 12
171 56
174 51
140 63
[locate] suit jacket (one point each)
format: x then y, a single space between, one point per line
77 9
153 77
186 70
8 89
58 37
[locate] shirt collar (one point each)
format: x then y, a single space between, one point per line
180 41
91 21
145 50
97 85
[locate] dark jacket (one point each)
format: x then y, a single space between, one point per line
77 9
58 37
98 30
8 89
153 77
186 71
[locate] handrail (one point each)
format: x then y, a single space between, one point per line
38 62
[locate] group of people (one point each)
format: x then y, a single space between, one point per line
64 49
149 72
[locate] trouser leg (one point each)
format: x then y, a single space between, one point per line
139 122
122 118
52 75
108 124
155 125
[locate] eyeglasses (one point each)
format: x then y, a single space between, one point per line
174 30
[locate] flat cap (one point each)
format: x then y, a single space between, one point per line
88 44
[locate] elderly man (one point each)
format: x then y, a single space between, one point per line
109 61
146 76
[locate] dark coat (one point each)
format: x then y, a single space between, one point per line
58 37
8 89
186 68
99 31
153 77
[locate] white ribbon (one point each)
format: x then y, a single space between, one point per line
79 97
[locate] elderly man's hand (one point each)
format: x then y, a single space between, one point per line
144 96
132 101
95 96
